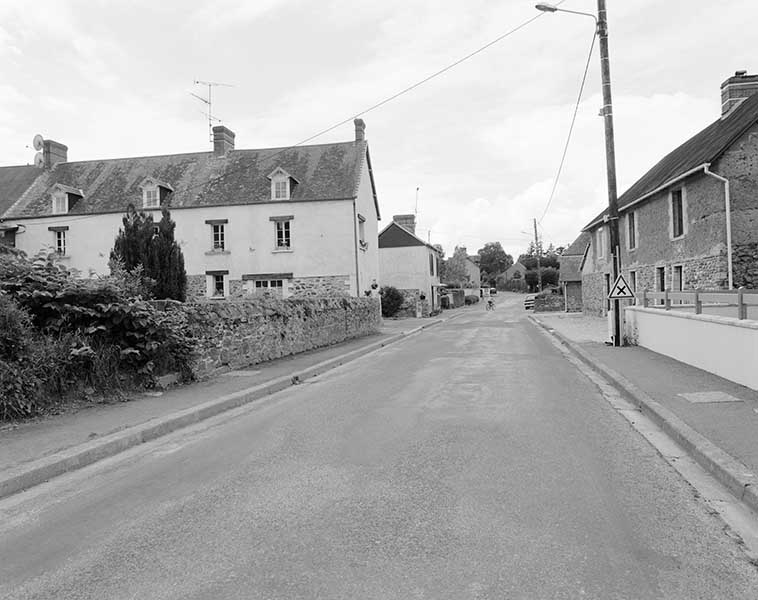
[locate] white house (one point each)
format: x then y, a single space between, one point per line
410 264
296 222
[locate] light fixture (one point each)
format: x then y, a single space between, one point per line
545 7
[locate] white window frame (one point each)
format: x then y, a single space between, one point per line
684 213
600 242
218 237
211 290
60 242
151 197
283 231
280 188
60 202
632 237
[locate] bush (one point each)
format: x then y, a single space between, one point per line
15 329
471 299
392 300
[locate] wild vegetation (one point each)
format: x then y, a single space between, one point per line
61 334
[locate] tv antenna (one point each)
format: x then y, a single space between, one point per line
415 209
208 102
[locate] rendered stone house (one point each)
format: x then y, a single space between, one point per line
411 265
292 222
570 273
691 222
516 267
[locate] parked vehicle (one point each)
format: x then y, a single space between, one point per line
493 291
529 301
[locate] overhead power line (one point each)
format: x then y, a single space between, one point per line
571 128
386 100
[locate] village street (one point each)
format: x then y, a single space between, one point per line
468 461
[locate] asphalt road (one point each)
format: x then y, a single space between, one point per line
470 461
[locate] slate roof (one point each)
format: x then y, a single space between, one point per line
704 147
323 172
397 236
14 181
578 246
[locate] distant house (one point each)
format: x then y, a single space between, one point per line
516 267
692 220
473 273
570 273
293 222
411 265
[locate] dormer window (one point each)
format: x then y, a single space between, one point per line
64 198
154 192
282 184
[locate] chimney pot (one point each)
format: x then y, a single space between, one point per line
223 140
406 222
53 153
360 130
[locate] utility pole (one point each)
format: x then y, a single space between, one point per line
537 251
610 162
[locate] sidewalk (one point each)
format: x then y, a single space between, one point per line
35 451
714 419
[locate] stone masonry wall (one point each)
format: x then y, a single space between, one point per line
411 299
745 265
593 293
320 287
232 335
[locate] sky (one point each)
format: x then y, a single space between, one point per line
482 142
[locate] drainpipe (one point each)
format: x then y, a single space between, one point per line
727 208
355 245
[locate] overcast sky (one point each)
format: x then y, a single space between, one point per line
483 141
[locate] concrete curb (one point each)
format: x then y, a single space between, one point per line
38 471
733 474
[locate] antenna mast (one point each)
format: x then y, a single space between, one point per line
208 102
415 210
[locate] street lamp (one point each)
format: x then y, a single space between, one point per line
601 22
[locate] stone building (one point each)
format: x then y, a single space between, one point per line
691 222
411 265
570 273
288 222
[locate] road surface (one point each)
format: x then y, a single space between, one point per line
469 461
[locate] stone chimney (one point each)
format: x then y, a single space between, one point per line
406 222
735 89
360 130
53 153
223 140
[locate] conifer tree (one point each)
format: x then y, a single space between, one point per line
165 262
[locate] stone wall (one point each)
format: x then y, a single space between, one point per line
320 287
551 303
745 265
411 306
232 335
573 293
593 293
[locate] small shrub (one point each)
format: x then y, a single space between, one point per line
392 300
15 329
471 299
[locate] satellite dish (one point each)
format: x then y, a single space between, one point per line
37 142
39 160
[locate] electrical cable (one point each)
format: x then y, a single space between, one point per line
571 129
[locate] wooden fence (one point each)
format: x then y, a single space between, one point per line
740 299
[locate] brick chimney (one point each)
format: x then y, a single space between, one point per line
406 222
735 89
53 153
360 130
223 140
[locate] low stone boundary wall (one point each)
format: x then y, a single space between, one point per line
551 303
723 346
233 335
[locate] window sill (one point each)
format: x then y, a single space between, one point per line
62 256
212 252
216 297
281 250
677 238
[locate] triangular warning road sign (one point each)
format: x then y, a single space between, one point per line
620 289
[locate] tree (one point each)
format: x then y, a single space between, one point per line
165 262
493 261
455 268
132 242
392 299
138 244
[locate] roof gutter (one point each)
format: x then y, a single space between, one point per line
703 167
728 210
